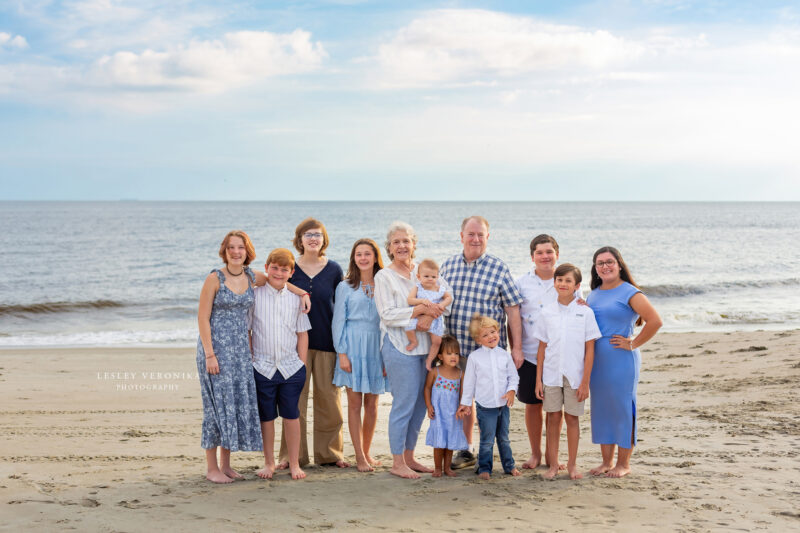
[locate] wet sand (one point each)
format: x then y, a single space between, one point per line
107 439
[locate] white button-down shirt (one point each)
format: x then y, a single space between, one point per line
489 375
565 329
536 293
275 320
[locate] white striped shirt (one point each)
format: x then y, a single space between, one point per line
275 320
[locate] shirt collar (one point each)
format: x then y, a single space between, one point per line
273 290
476 262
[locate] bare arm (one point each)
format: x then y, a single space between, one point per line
447 299
261 280
428 386
207 294
588 363
302 346
652 323
412 297
539 366
515 330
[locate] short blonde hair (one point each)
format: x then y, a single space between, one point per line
475 217
428 263
396 226
478 322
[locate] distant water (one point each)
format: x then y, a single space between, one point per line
129 273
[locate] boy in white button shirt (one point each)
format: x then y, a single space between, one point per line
566 332
279 344
491 380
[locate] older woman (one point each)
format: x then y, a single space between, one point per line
618 306
405 370
227 387
320 276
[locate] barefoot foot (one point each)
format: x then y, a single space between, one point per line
231 473
363 465
218 477
514 473
373 462
411 345
619 471
297 472
573 472
437 473
532 463
484 476
404 471
417 467
551 473
266 472
600 470
283 465
450 472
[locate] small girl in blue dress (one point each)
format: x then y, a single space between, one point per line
428 291
442 397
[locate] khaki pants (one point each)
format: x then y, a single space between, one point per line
328 439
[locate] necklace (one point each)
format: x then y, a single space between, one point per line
232 274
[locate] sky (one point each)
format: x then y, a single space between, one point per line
399 100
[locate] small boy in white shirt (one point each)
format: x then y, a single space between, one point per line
279 344
491 380
566 333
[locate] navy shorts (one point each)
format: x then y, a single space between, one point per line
527 383
279 396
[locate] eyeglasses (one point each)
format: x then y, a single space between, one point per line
312 235
609 263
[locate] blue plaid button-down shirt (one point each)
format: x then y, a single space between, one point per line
484 286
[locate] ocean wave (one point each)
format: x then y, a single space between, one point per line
57 307
674 290
172 337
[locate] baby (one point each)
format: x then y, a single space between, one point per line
428 292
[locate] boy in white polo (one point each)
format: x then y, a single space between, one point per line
566 333
279 344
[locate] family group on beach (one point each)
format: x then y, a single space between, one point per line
458 341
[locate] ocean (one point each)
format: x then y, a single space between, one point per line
130 273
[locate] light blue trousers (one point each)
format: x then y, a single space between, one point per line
406 375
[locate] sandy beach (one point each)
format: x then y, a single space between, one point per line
107 439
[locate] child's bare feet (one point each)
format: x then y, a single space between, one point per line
429 362
373 462
283 465
231 473
619 471
218 477
551 473
297 472
514 472
485 476
411 345
363 465
404 471
266 472
450 472
436 473
561 466
533 462
573 472
600 470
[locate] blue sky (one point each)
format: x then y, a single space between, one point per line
351 100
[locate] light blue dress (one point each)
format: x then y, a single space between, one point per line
356 332
615 373
437 326
230 409
445 431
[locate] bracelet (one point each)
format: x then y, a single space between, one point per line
211 356
305 294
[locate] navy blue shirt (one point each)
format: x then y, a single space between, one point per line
322 289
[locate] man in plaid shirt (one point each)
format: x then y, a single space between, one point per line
481 284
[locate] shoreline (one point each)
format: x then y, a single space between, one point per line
718 426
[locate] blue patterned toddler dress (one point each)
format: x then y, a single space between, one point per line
230 411
437 326
445 431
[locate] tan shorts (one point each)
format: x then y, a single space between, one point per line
566 396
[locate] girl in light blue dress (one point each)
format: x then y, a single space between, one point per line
442 397
356 338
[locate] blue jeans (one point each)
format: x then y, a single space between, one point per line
493 424
406 375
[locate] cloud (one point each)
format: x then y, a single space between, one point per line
214 65
16 42
464 46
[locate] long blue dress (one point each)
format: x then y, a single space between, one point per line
230 409
615 373
356 332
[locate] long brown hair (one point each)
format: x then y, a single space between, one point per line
353 276
624 272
